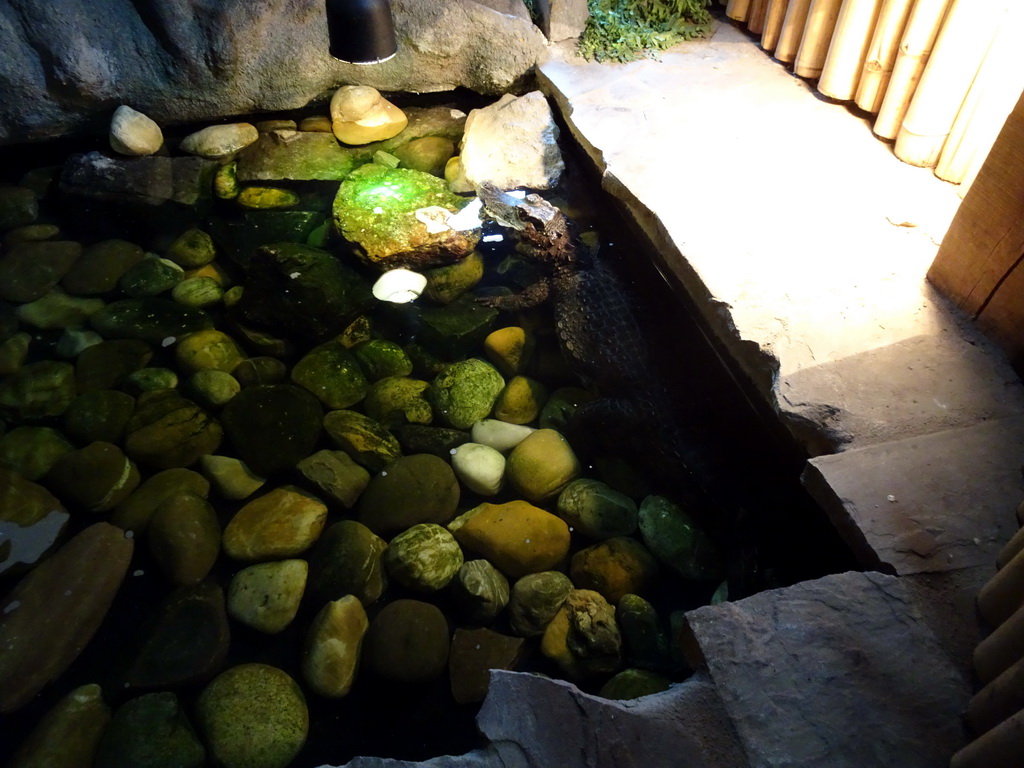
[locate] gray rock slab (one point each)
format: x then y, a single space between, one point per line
841 672
801 239
936 502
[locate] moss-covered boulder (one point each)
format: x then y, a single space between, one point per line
380 358
465 392
674 537
380 211
399 400
332 374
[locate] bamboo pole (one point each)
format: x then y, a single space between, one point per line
755 16
821 23
773 18
958 53
849 48
999 748
998 700
792 31
915 48
737 9
885 44
991 98
1000 650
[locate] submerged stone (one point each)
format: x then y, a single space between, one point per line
150 319
106 365
68 734
614 568
29 270
365 440
331 373
55 610
184 538
208 351
272 426
408 642
595 510
32 521
282 523
37 391
266 596
634 683
676 540
517 537
542 465
446 284
455 330
398 400
253 716
465 392
97 477
186 642
100 267
376 211
167 430
423 558
510 349
230 476
480 590
219 141
428 154
348 560
380 358
18 207
151 731
288 155
333 647
32 451
583 638
421 488
644 640
134 513
438 441
474 653
151 277
534 601
336 475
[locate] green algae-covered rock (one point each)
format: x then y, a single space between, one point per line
167 430
423 558
212 389
534 601
100 414
31 451
446 284
676 540
561 405
150 319
272 426
57 309
593 509
365 440
465 392
376 210
192 248
264 198
331 373
225 181
151 731
151 277
380 358
408 642
13 352
421 488
347 560
200 292
480 590
253 716
333 647
37 391
398 400
634 683
266 596
150 379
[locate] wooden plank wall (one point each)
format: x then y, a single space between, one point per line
980 264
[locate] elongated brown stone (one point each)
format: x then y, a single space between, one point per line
53 612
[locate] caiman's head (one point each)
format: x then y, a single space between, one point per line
541 226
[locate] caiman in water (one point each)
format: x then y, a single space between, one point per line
602 342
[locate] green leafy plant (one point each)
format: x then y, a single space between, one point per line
626 30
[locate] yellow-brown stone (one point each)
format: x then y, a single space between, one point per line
517 537
279 524
542 465
520 401
510 349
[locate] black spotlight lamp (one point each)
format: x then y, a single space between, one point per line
361 31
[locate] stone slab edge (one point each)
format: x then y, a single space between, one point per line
932 503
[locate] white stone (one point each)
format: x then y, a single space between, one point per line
219 141
133 133
399 286
513 143
499 435
479 467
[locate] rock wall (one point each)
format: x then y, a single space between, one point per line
68 64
